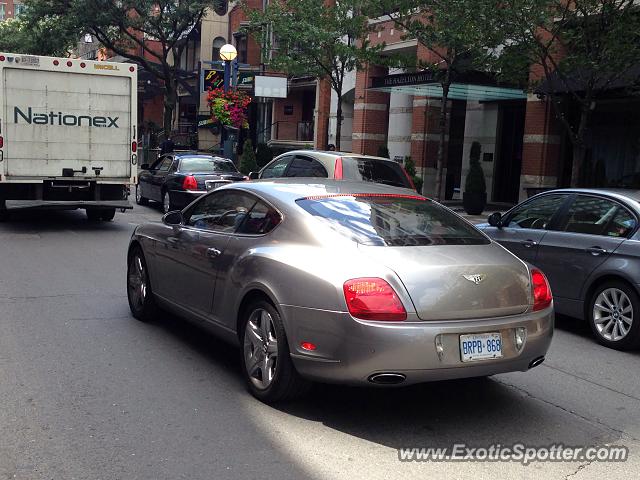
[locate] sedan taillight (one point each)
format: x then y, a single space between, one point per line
373 299
189 183
541 290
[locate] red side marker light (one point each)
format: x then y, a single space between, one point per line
132 69
56 63
134 147
82 65
69 64
308 346
2 59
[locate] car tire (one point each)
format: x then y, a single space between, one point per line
108 214
139 294
140 200
167 204
614 315
93 214
265 353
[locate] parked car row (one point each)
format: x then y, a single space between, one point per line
329 267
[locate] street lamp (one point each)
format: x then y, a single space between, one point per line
228 53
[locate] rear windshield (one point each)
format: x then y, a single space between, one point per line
372 170
206 164
392 220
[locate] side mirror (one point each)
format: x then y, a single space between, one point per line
173 219
144 166
495 219
254 175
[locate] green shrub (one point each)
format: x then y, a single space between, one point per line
248 161
475 182
264 154
410 167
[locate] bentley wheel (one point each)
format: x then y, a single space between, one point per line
267 366
613 315
141 301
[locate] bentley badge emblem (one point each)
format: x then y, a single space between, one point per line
477 278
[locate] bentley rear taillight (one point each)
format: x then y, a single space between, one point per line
542 296
373 299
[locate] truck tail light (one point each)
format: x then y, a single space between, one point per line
337 172
2 58
134 147
542 296
1 141
189 183
373 299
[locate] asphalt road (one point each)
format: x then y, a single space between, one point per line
87 392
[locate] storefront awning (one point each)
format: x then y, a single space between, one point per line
424 84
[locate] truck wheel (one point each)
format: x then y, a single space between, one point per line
4 213
108 214
94 214
140 200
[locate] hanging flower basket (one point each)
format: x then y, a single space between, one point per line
229 108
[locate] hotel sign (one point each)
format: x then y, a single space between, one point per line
404 79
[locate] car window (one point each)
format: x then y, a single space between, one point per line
165 164
373 170
260 220
306 167
392 220
598 216
276 168
220 212
206 164
535 214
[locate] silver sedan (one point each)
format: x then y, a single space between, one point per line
342 282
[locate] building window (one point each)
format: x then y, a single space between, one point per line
241 46
218 42
18 9
3 7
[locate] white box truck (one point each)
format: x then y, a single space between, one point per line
68 135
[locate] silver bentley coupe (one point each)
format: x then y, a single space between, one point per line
344 282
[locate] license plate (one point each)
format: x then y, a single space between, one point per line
480 346
214 185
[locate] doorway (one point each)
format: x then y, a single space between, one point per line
506 180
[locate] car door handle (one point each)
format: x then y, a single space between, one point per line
529 243
213 252
595 251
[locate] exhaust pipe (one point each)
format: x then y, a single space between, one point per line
535 362
387 378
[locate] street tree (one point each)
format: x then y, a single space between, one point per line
152 33
460 36
41 37
581 50
314 38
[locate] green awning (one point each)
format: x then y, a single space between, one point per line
457 91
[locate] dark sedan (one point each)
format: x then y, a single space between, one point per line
588 244
176 179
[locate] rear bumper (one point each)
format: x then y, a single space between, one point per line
182 198
66 204
350 351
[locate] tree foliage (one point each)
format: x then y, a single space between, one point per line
43 36
152 33
248 161
314 38
582 49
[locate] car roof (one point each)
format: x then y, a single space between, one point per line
290 189
197 154
333 154
620 193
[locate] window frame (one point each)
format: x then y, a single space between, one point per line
313 159
564 218
277 159
187 213
553 221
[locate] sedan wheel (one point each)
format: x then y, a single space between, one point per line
167 206
141 301
140 200
268 369
612 316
